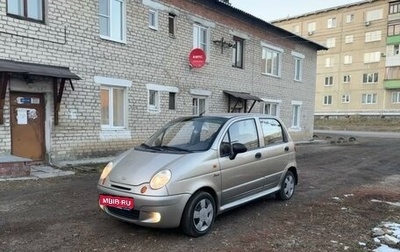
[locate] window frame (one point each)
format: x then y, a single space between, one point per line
328 81
331 22
271 104
171 25
330 42
368 99
346 98
237 56
275 71
111 111
348 59
347 78
349 39
329 62
153 19
396 97
394 8
112 36
296 115
327 100
368 76
195 109
350 18
172 101
197 34
156 106
25 12
298 69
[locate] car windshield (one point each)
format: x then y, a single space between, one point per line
186 135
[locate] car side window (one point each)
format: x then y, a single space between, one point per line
272 131
244 132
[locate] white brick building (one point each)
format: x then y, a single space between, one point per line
83 79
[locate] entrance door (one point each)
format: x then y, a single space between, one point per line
27 125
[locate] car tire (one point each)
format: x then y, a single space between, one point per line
199 214
288 187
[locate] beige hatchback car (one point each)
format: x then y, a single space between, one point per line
195 168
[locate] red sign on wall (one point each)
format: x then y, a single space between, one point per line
197 58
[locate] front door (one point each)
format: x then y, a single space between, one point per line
27 125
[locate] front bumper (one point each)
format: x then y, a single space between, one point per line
149 211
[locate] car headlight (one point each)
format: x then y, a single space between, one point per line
105 172
160 179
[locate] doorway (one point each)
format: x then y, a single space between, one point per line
27 112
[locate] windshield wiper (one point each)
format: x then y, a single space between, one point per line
175 148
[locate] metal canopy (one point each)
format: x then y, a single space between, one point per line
241 97
59 75
9 66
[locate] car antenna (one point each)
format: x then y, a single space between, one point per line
202 113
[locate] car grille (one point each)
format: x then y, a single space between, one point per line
129 214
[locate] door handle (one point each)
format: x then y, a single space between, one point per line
286 148
258 155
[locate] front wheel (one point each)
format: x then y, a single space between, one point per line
199 214
287 188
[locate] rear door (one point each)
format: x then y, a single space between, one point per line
276 150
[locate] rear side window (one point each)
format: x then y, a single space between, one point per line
272 131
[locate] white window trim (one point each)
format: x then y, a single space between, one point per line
344 100
206 100
155 26
119 83
325 100
300 79
118 128
271 101
123 28
349 39
200 92
158 88
275 48
398 97
372 96
298 55
208 41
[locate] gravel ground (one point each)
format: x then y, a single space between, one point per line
341 197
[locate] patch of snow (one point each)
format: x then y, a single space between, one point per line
348 195
385 248
362 244
397 204
387 235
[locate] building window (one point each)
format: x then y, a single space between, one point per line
349 18
329 81
31 10
329 62
370 78
368 99
346 79
298 69
271 61
392 73
328 100
296 115
271 108
348 59
154 101
330 42
349 39
113 107
237 55
346 98
172 101
394 29
153 19
372 57
394 8
373 15
171 24
311 27
373 36
200 37
393 50
112 19
331 22
199 105
396 97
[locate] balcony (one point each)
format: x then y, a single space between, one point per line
392 84
392 40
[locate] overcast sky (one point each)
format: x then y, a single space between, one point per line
269 10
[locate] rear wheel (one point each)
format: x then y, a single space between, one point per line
199 214
287 188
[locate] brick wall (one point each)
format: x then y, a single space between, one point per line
147 57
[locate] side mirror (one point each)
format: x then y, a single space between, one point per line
236 149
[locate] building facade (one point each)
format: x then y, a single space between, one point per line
358 74
83 79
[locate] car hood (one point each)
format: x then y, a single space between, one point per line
138 167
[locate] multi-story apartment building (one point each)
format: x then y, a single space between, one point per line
83 79
358 74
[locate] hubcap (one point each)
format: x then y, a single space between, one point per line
289 186
203 215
